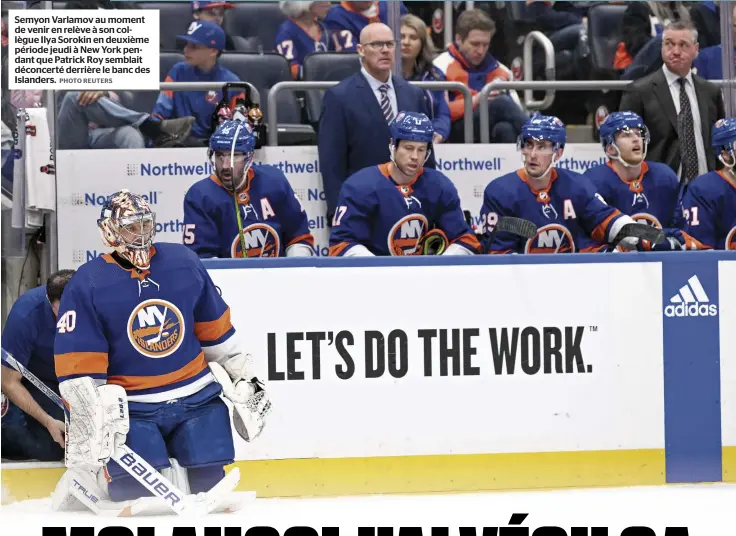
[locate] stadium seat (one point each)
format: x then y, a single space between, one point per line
326 67
264 71
174 19
604 34
257 21
143 101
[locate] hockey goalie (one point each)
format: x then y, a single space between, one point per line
146 355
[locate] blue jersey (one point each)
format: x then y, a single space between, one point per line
29 335
345 24
294 44
150 331
270 213
570 216
709 209
389 219
199 104
652 198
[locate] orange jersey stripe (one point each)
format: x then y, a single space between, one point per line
84 363
599 233
214 329
338 248
135 383
169 93
470 240
302 238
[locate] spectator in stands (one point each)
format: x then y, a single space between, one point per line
205 41
213 12
33 427
346 20
417 55
96 120
469 61
302 33
679 108
649 57
356 113
709 64
566 25
706 17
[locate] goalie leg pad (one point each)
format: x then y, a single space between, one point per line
144 438
204 437
205 478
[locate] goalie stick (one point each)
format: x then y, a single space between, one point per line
141 470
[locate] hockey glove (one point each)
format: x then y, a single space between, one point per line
433 243
246 392
96 421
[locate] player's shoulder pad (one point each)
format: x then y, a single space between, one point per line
503 185
659 169
436 177
175 253
202 188
29 302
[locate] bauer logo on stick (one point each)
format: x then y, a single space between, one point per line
156 328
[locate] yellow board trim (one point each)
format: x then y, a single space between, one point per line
729 464
409 474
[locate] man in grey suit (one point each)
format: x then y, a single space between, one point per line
678 107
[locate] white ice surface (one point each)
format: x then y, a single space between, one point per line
706 509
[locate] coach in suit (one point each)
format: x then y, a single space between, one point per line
356 113
678 107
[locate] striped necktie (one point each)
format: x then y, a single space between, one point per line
388 112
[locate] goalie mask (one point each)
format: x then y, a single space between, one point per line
127 224
231 153
628 124
724 141
413 127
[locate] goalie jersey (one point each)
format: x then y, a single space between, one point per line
709 210
570 216
270 213
650 199
150 331
389 219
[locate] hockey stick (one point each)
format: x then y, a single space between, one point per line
641 231
140 469
518 226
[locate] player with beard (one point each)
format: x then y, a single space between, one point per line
401 208
244 207
570 216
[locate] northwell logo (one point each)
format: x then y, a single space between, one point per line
691 300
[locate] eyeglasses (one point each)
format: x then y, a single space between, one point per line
380 44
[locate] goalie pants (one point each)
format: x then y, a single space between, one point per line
194 430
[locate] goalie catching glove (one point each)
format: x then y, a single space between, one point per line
96 421
246 392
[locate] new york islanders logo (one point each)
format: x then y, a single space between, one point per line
552 238
404 236
4 405
261 240
156 328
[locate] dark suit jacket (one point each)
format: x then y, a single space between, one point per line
353 134
650 97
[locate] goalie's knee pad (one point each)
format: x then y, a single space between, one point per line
76 484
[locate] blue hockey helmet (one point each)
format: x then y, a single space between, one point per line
621 121
233 137
724 139
412 126
543 127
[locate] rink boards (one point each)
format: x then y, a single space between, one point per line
487 373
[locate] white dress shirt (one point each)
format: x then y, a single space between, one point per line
375 84
674 85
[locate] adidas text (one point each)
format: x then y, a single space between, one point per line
692 309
